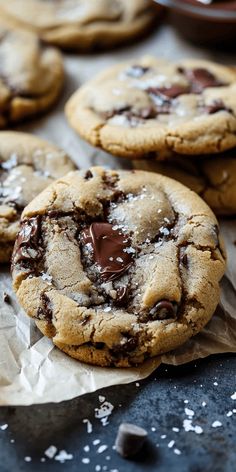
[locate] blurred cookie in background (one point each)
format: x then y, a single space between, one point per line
82 24
213 177
28 165
31 75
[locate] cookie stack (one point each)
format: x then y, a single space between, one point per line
176 119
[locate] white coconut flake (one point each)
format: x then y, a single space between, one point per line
216 424
50 452
89 425
102 448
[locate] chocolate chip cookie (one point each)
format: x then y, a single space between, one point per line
31 75
81 24
212 177
151 105
118 266
27 165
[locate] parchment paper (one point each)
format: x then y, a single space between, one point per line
31 369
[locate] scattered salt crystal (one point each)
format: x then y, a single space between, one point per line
102 448
50 452
229 413
163 436
12 440
198 429
129 250
46 277
98 468
42 459
203 403
185 401
111 259
27 459
233 396
108 308
216 424
234 410
86 448
63 456
188 426
177 451
96 442
104 410
171 443
159 211
137 384
119 259
104 421
101 398
89 425
176 430
85 460
215 383
189 412
108 458
3 427
153 429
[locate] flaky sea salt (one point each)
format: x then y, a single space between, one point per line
171 444
85 460
177 451
102 448
189 412
3 427
89 425
233 396
216 424
63 456
50 452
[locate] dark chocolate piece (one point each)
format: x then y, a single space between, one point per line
109 245
130 439
217 105
122 296
163 310
6 297
45 310
200 79
26 245
173 91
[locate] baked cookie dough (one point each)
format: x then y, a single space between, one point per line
31 75
82 24
212 177
118 266
151 105
27 165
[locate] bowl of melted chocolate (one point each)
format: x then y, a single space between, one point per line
208 22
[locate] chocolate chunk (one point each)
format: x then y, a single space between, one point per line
127 344
122 296
26 246
108 245
174 91
163 104
217 105
130 113
130 439
137 71
200 79
164 310
45 310
6 298
88 175
184 260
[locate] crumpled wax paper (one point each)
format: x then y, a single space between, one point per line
32 370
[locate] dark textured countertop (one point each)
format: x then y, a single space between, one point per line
157 403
